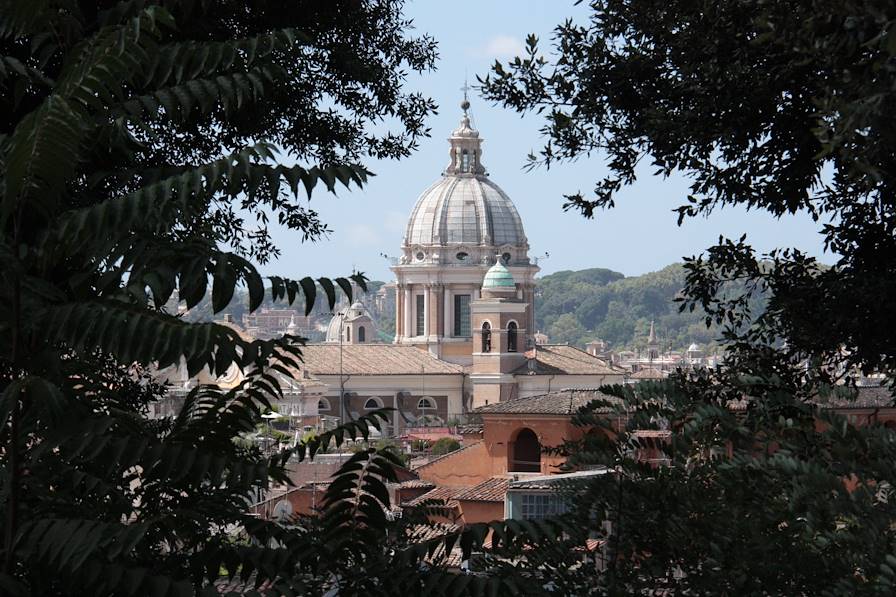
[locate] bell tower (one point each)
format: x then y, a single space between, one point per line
500 317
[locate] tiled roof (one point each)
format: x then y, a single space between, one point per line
446 494
490 490
842 398
426 532
429 532
448 455
416 484
562 402
562 359
470 429
373 359
866 397
648 373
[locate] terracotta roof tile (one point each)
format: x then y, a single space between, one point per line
416 484
648 373
446 494
490 490
562 359
562 402
427 532
373 359
448 455
841 398
470 429
864 397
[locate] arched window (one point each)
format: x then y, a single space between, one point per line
525 453
486 337
348 334
362 334
464 161
323 404
373 403
426 403
511 336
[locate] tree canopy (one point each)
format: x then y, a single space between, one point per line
737 481
781 106
143 148
580 306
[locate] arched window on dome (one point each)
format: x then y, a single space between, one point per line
373 403
512 332
323 404
348 334
362 334
426 403
464 161
486 337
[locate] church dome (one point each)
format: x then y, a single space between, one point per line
465 212
498 277
354 317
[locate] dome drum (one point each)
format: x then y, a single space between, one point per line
464 255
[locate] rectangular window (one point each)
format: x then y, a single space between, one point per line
421 314
536 506
462 315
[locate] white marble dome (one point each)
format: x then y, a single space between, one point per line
465 210
464 216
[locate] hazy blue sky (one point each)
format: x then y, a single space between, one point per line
638 236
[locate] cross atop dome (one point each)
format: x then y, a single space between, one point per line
465 105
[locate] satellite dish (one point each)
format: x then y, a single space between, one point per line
282 511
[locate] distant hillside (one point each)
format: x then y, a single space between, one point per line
574 307
579 306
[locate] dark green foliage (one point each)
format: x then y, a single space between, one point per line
780 106
444 445
143 149
784 107
580 306
775 498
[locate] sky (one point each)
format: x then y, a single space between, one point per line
639 235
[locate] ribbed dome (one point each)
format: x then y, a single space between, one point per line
465 210
464 207
498 276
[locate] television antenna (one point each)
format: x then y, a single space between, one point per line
541 258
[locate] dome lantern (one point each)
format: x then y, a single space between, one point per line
466 148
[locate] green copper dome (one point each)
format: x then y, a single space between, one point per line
498 276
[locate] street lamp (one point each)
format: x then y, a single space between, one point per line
269 417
